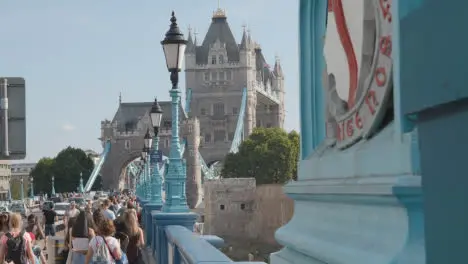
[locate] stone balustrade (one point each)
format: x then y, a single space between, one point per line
171 239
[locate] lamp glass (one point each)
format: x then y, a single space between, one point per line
156 119
148 141
174 53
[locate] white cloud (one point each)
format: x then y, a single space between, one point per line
68 127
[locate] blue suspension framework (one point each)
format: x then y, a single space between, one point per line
98 166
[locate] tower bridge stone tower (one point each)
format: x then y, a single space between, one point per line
126 132
216 72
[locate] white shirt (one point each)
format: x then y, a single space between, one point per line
73 213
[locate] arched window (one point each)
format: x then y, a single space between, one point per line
221 59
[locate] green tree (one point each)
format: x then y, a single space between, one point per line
296 150
42 175
66 168
269 155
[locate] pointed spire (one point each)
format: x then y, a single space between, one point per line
195 33
249 37
243 44
120 98
190 45
277 70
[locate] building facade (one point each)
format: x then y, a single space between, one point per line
5 176
216 71
21 171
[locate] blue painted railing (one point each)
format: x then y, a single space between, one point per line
176 244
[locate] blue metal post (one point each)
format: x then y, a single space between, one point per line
22 189
81 188
175 178
32 187
148 177
175 210
53 186
156 202
9 190
155 174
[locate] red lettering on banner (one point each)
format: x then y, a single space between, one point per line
386 6
380 76
385 45
358 120
371 101
349 127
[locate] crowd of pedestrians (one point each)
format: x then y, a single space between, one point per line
101 232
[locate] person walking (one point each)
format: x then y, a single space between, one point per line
49 219
81 233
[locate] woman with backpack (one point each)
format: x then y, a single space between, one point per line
104 248
81 232
15 245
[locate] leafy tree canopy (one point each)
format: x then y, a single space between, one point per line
65 167
270 155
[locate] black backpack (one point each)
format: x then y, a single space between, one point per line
16 252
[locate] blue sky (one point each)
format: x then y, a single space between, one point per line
77 56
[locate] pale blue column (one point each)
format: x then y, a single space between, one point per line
148 178
155 175
156 202
22 189
175 178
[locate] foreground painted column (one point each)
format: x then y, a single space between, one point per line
369 209
435 93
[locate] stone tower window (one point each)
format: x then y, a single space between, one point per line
218 109
242 206
231 136
214 76
221 206
268 125
206 76
127 144
213 59
259 123
221 59
235 111
229 75
219 136
222 76
203 111
208 138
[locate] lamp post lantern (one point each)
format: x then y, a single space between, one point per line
174 46
22 188
52 193
31 179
